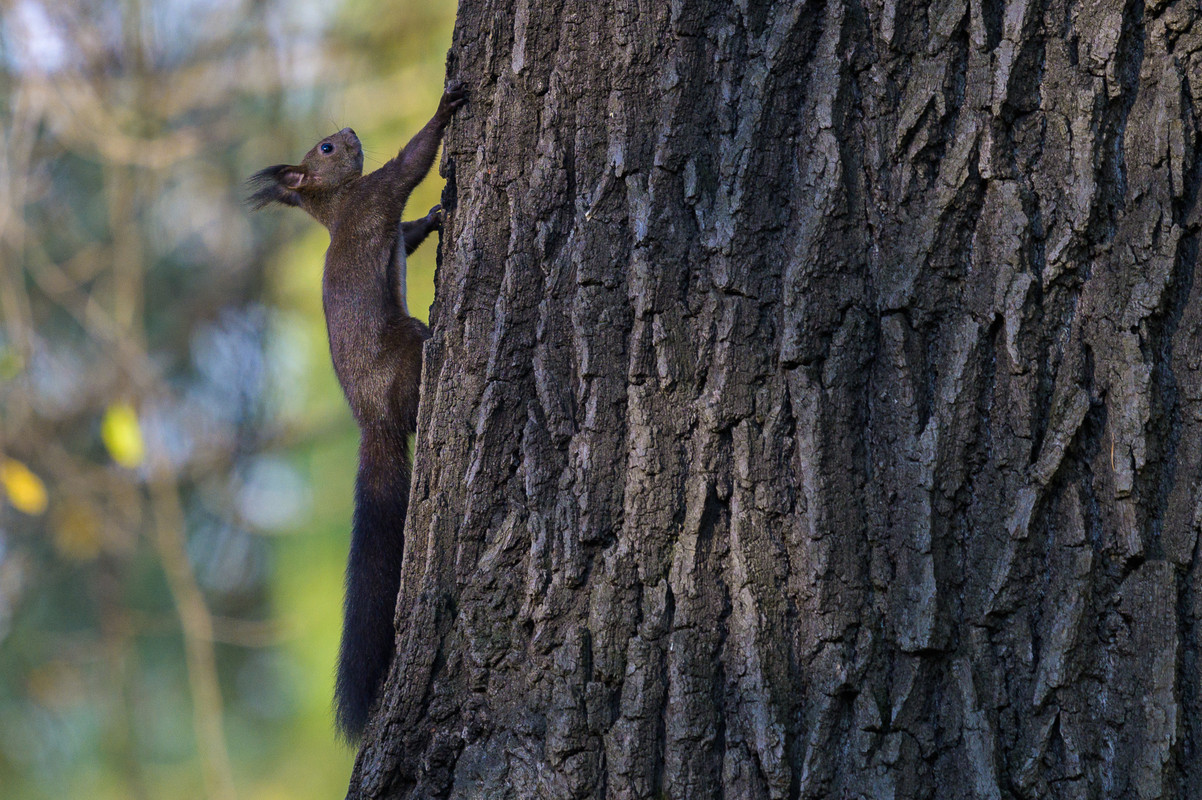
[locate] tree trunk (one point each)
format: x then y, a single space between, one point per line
813 409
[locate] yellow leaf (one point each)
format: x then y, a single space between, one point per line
25 490
122 435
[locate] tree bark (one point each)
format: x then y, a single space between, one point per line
813 408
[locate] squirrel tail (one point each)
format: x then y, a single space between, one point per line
373 577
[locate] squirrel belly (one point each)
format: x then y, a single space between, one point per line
376 349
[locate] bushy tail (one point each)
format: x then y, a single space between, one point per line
373 576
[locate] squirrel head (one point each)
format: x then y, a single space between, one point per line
332 163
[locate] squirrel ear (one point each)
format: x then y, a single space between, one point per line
292 178
276 184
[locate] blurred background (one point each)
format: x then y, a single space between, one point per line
176 459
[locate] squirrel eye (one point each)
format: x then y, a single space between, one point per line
327 148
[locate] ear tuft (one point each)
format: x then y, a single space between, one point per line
276 184
293 178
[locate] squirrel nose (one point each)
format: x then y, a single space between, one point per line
348 130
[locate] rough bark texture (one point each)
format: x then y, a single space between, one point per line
813 409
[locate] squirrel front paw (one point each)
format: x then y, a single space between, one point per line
454 96
436 217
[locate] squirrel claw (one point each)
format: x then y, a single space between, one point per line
437 216
454 96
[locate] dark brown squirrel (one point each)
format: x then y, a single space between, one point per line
376 347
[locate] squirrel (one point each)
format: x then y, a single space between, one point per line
376 347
